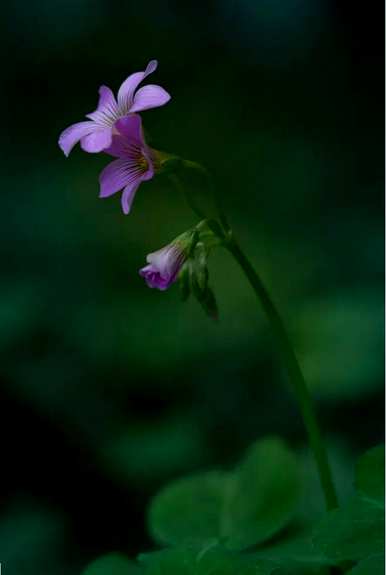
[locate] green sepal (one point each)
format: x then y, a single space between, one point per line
199 267
193 242
167 164
207 300
184 282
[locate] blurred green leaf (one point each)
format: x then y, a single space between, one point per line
374 565
169 562
242 508
112 564
332 330
32 539
210 560
190 509
293 548
342 461
370 474
159 449
352 532
296 569
265 495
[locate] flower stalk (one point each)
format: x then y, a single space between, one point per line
224 232
294 373
196 166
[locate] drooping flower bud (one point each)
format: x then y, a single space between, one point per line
165 264
185 259
194 277
200 266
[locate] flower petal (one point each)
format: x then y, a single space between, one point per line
167 260
106 98
129 142
71 136
154 279
128 196
127 89
107 111
150 96
96 141
131 128
118 147
116 176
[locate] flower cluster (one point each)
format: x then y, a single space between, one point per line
115 128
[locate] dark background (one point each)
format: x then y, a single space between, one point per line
109 389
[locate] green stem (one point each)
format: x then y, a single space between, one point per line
294 373
188 197
307 410
218 203
210 222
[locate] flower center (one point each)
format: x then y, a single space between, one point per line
143 164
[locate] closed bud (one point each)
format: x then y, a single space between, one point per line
200 267
208 301
184 281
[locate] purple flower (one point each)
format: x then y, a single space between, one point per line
164 266
95 135
135 163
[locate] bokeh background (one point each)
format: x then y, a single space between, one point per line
109 389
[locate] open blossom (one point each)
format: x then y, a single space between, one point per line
96 134
136 162
164 265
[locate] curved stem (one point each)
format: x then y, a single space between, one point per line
199 168
294 373
307 410
196 209
211 223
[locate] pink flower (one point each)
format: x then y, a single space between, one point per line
135 163
164 266
96 134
